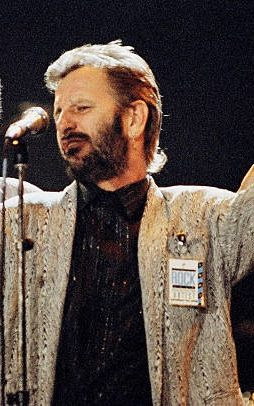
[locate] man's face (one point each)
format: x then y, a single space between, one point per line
89 130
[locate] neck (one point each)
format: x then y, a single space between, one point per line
126 179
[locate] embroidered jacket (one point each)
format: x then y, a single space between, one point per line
191 351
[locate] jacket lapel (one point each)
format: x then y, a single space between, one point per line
152 267
60 242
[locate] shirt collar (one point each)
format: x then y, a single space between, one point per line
129 200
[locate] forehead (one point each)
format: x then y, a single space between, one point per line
84 82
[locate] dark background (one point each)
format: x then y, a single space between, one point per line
202 55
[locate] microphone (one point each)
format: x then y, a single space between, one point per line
33 121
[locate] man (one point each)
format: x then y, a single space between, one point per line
123 311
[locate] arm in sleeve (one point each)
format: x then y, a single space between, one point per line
248 179
236 234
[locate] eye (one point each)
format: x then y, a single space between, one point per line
82 108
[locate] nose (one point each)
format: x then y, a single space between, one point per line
65 123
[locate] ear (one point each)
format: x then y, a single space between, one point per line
134 119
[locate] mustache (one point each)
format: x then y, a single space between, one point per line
72 135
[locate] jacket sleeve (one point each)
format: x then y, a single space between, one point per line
236 234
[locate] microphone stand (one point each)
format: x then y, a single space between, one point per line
2 275
21 397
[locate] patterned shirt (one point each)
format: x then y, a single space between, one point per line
102 357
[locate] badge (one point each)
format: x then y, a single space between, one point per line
186 282
179 245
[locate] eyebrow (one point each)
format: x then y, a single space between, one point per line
79 99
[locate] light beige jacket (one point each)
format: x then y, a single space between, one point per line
191 351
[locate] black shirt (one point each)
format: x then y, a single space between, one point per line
102 357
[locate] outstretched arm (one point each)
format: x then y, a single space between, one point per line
248 179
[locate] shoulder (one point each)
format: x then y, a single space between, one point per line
12 187
188 201
44 198
204 192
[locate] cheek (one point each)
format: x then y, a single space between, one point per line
58 142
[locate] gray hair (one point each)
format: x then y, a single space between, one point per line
129 76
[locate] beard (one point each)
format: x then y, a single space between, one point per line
108 158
